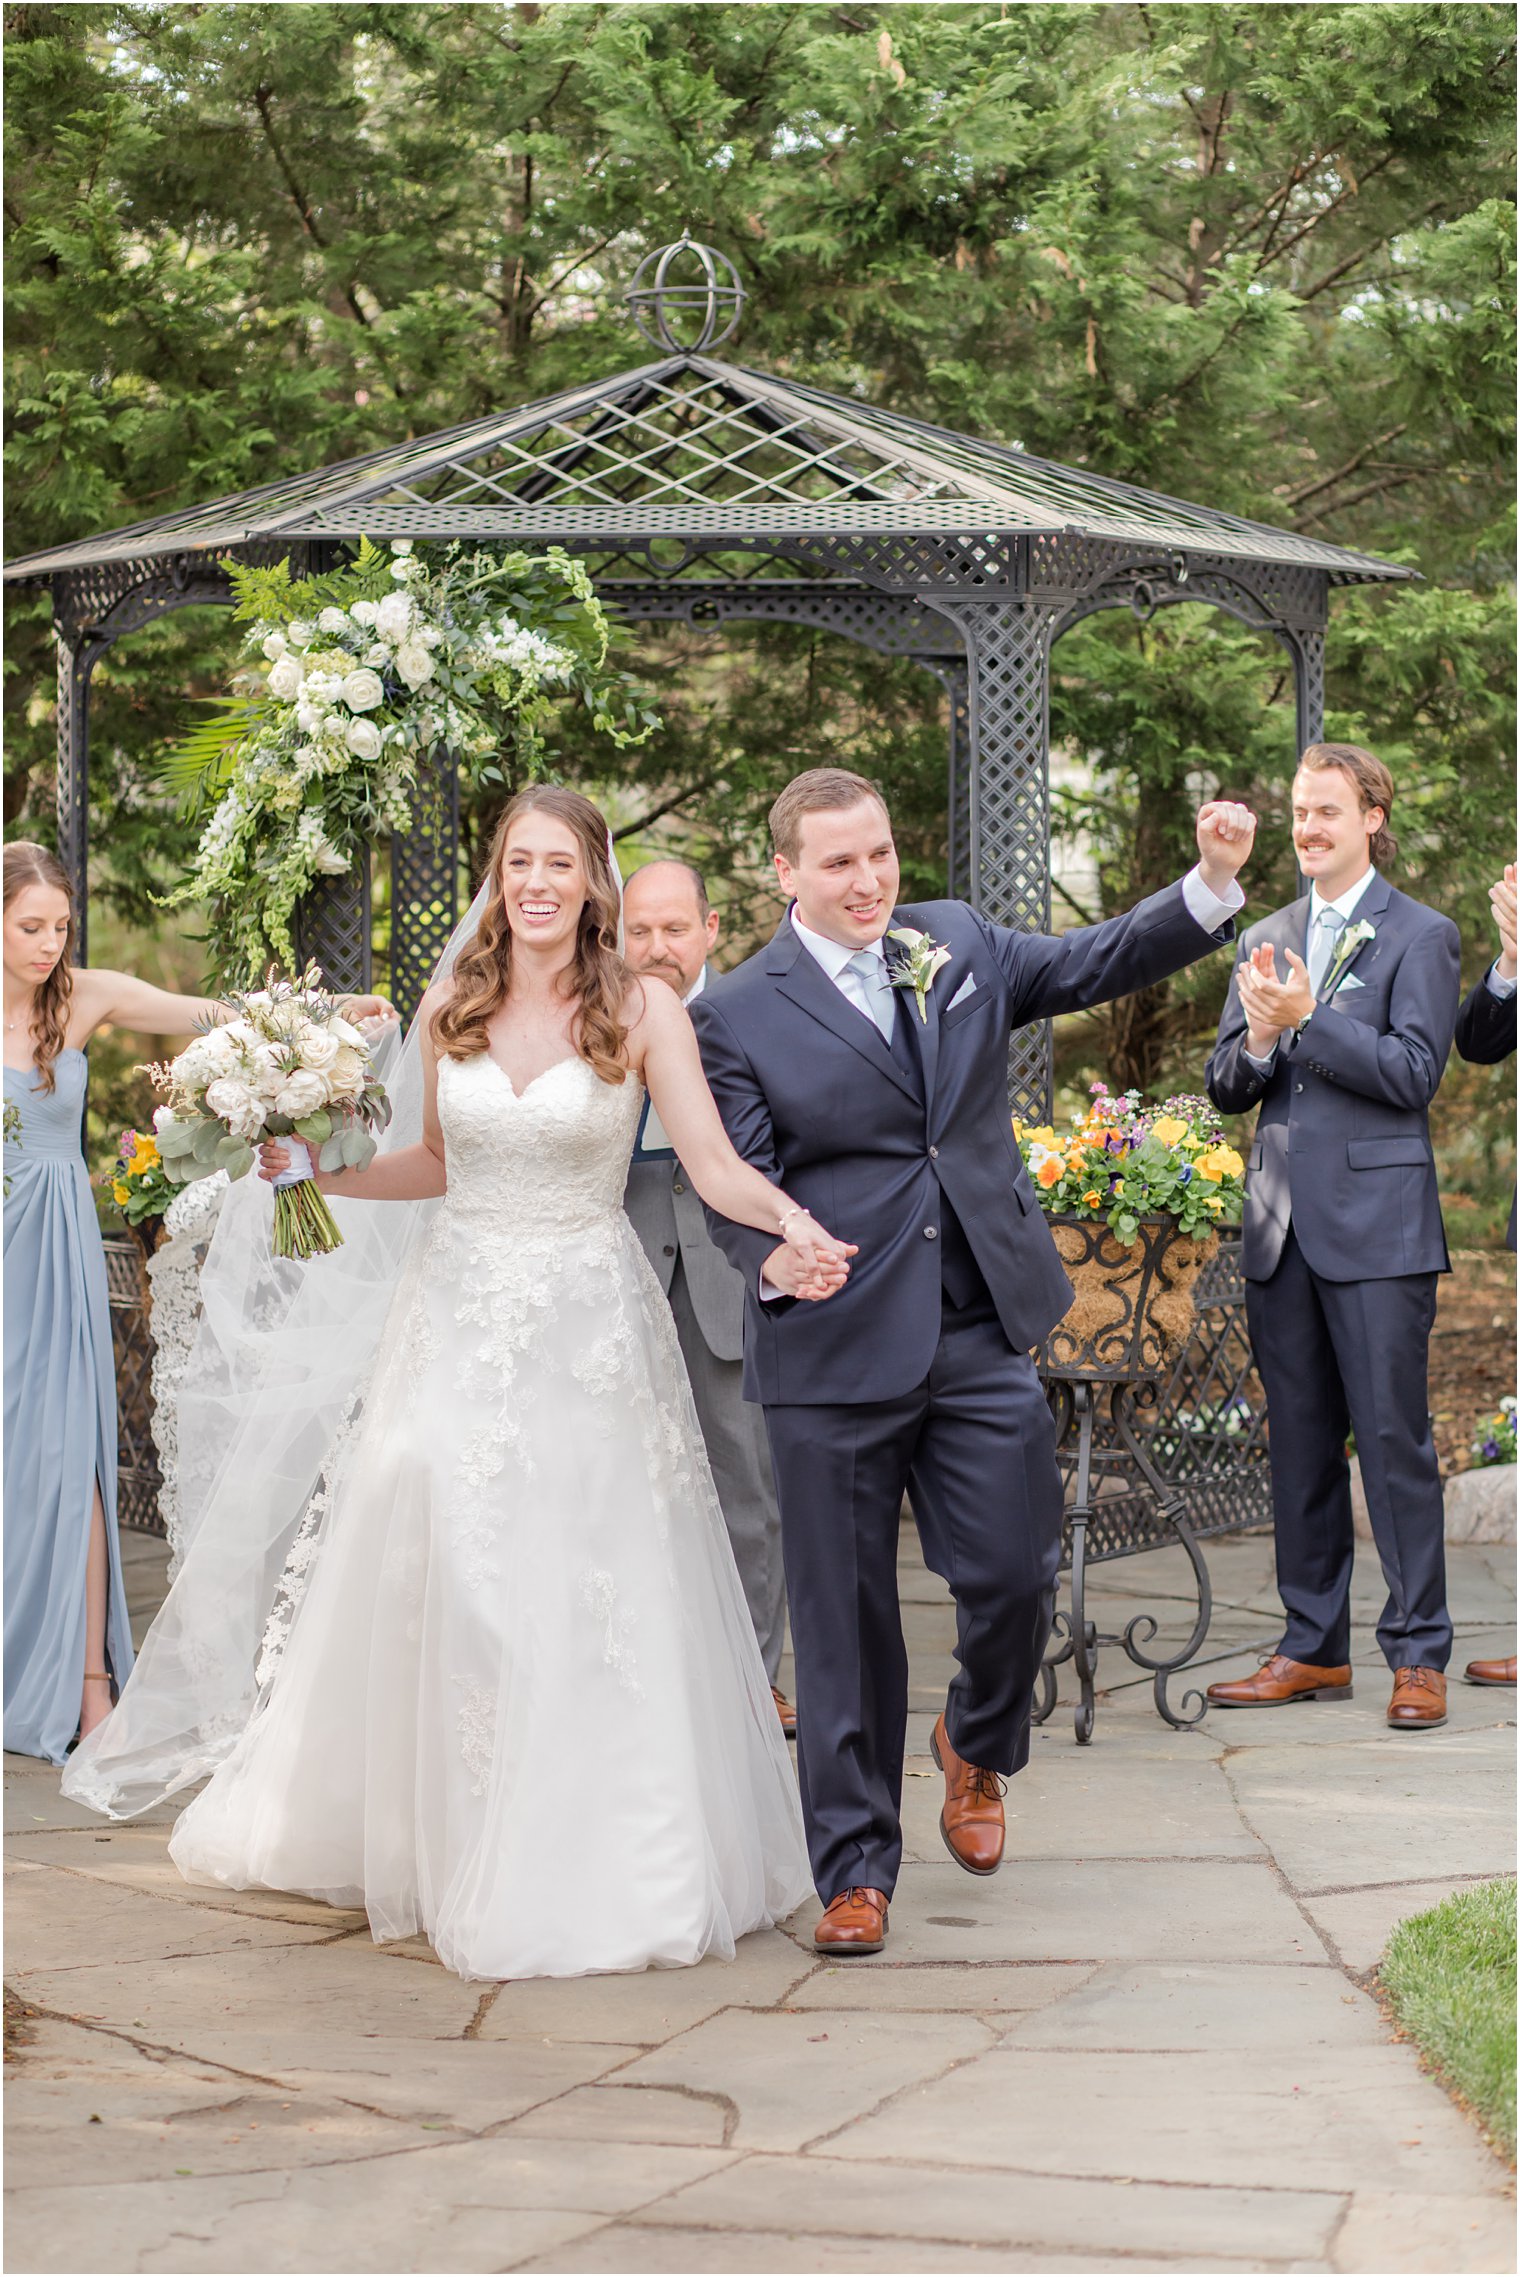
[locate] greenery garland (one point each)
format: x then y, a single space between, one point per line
345 680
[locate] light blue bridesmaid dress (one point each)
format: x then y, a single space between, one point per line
60 1416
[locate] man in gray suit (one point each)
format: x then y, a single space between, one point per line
668 930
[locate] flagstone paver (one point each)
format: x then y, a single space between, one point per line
1149 2043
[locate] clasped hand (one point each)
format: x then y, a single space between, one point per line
1272 1006
809 1263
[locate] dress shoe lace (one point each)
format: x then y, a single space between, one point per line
1420 1679
985 1786
860 1896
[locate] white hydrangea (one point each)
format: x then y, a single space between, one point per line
393 617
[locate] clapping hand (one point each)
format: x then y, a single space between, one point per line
1272 1006
1226 834
1502 901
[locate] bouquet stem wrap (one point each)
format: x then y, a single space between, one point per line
304 1226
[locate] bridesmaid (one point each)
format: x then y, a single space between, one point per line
67 1639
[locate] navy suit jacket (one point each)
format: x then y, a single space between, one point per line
1485 1035
812 1096
1342 1144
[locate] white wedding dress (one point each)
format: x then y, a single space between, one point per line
516 1700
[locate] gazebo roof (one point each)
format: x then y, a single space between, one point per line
691 448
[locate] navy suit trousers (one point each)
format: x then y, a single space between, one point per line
1333 1356
973 1446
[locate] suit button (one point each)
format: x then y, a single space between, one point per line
934 1154
931 1233
670 1249
1298 1087
678 1188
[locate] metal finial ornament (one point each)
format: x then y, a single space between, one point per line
707 307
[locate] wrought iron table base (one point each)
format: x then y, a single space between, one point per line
1078 1637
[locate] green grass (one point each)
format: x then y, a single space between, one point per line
1450 1979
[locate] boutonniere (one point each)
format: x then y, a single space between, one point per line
917 968
1353 938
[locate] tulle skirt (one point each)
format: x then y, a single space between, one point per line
516 1701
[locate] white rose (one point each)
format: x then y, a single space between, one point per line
319 1047
301 1094
363 612
233 1103
333 621
346 1075
364 739
330 862
414 663
401 545
309 718
285 678
275 646
362 690
393 618
300 630
345 1031
377 657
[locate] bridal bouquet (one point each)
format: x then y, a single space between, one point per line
286 1063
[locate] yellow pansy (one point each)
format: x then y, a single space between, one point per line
1169 1129
1192 1142
1208 1166
1118 1185
1229 1161
119 1190
1092 1198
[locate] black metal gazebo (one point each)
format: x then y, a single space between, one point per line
710 492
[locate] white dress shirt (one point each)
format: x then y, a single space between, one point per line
1497 984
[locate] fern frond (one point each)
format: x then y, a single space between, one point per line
198 767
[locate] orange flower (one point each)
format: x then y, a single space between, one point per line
1050 1172
1092 1198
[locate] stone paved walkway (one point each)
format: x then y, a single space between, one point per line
1148 2044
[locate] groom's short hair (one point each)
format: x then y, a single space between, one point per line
819 790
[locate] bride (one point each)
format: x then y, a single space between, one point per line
516 1701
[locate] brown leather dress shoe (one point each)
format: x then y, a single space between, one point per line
786 1712
1490 1671
1280 1680
854 1922
972 1819
1419 1699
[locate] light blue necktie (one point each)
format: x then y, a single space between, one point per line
873 991
1327 929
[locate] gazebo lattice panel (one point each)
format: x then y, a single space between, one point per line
714 493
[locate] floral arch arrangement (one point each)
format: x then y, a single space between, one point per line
345 681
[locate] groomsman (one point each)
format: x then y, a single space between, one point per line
1338 1025
669 929
1486 1035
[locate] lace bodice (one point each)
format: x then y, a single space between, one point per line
553 1161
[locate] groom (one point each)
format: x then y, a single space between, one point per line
917 1375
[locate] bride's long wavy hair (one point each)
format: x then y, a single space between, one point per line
596 978
28 865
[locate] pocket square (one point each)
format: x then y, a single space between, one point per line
967 988
1351 981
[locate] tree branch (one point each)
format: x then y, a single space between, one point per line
679 799
1395 480
1308 490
